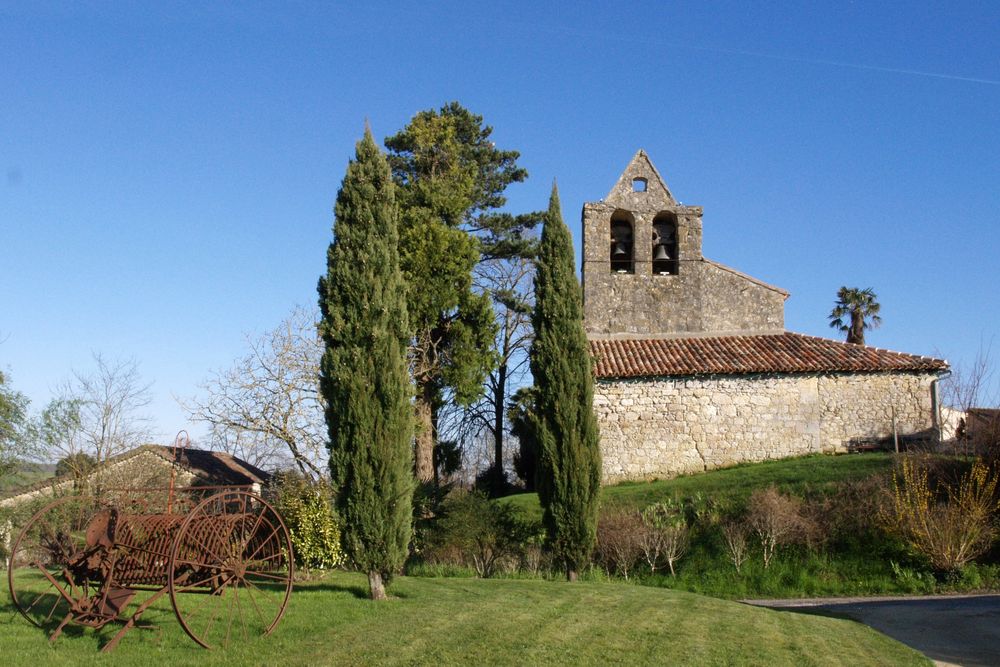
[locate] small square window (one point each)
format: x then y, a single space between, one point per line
638 185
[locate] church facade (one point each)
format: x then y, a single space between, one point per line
694 369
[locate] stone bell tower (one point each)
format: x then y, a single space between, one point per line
644 273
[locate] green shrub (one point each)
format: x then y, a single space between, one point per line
911 580
471 530
307 508
950 524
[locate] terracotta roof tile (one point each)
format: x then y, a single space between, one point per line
770 353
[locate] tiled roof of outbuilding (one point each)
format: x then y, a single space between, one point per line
728 355
215 468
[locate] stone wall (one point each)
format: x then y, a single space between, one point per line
669 426
703 296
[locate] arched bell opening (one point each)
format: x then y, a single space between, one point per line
622 245
665 255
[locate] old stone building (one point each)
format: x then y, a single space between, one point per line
694 367
149 466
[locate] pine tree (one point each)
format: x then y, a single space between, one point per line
451 179
569 466
363 374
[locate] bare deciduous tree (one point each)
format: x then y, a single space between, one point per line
267 406
257 449
509 284
664 535
482 429
967 394
100 413
776 518
618 540
735 534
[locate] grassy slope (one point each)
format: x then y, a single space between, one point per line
858 567
798 476
465 621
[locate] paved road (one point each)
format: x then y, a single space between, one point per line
951 630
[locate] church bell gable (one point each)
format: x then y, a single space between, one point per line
644 272
640 187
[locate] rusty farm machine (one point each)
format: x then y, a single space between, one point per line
221 554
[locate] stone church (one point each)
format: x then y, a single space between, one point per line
694 368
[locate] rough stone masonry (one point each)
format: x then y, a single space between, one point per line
694 368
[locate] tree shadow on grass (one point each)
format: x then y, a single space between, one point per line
360 592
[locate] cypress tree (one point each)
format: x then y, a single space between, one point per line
363 373
565 429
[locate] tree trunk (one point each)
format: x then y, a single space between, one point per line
435 413
498 415
571 574
376 586
857 332
423 454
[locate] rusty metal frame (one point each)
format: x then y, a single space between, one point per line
206 550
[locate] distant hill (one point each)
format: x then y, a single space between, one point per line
28 473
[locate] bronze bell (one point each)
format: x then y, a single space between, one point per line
619 250
661 253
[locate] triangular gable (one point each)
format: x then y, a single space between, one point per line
656 195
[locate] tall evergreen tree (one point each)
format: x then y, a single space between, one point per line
565 429
451 179
363 373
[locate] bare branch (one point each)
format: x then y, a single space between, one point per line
266 408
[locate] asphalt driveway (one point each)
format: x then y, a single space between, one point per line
951 630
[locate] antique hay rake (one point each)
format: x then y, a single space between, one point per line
222 555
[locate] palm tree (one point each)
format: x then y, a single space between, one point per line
861 306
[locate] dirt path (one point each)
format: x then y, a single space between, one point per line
949 629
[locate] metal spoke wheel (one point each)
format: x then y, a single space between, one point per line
52 561
234 551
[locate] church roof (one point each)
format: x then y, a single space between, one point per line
743 354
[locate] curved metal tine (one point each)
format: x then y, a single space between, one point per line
205 545
245 536
271 557
196 584
253 531
266 540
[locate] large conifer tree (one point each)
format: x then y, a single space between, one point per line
451 179
363 374
569 466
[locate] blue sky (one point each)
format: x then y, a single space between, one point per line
167 170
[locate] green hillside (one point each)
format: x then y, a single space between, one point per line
796 476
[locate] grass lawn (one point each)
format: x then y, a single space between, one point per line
491 622
796 476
